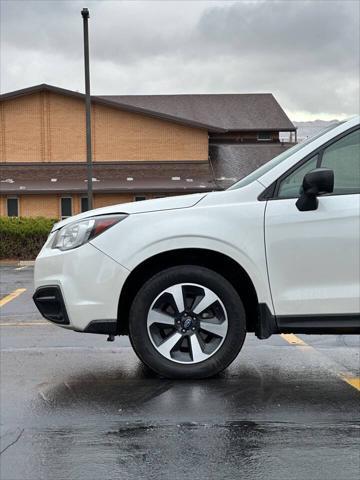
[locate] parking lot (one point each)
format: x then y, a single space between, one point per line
74 406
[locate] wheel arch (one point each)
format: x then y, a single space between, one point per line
213 260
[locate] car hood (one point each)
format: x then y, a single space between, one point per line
158 204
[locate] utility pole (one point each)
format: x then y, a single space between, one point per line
85 15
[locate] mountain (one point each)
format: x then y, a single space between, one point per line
309 129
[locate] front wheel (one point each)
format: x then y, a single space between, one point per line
187 322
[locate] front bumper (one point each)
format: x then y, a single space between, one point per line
79 288
50 304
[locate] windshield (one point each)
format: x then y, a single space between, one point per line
278 159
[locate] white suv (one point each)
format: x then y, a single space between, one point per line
186 277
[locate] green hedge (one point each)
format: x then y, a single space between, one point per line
22 238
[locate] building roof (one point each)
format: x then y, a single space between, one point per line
214 112
111 103
139 177
247 111
232 162
228 164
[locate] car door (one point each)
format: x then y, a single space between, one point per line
313 256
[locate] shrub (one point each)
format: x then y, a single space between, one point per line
21 237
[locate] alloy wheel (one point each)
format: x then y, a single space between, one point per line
187 323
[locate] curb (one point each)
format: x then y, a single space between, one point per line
17 263
9 262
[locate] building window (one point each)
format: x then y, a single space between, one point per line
66 207
13 207
139 198
84 204
264 137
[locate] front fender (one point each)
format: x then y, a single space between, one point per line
215 228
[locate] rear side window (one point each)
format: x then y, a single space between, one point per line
343 157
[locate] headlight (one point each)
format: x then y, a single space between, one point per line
77 233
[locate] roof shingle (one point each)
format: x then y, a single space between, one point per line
253 111
232 162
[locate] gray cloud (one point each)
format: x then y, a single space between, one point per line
305 52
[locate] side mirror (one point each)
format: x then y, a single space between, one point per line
315 183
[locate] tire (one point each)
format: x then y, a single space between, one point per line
166 332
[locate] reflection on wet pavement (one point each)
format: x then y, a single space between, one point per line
76 407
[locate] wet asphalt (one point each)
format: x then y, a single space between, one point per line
74 406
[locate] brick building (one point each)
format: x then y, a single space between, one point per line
143 146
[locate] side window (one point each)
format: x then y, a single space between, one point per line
291 185
12 205
84 204
264 136
66 207
343 157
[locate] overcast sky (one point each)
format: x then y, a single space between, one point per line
304 52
